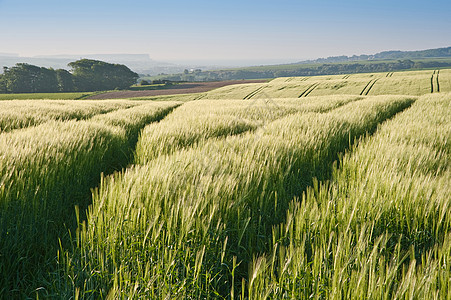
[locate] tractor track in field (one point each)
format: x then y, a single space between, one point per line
371 86
368 87
434 78
308 90
252 94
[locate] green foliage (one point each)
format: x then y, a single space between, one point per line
65 81
88 75
3 87
25 78
93 75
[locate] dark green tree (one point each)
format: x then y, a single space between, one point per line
65 81
25 78
46 81
2 84
94 75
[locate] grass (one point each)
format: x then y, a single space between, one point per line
380 229
196 122
15 114
46 171
174 227
46 96
398 83
245 192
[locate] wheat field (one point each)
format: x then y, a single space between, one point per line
328 187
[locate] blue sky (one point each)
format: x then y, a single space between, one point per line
222 30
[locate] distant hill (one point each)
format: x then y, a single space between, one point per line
387 61
385 55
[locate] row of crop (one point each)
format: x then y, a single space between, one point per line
188 224
381 229
196 122
22 113
45 171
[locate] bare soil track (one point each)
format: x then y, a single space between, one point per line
185 88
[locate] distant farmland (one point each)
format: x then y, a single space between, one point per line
183 88
390 83
328 187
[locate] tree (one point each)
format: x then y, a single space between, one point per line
65 81
25 78
2 85
94 75
46 81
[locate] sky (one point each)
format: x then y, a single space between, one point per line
200 30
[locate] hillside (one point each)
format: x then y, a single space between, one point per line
387 61
386 55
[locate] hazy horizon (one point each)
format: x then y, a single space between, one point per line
234 31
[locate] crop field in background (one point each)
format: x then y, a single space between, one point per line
47 96
392 83
331 187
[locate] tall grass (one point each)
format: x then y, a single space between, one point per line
187 225
46 96
23 113
45 171
380 229
408 83
196 122
445 80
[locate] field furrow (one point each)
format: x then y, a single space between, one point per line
249 96
432 82
363 92
308 90
370 87
311 90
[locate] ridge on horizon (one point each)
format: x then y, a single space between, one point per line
386 54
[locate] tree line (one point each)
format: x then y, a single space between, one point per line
306 70
86 75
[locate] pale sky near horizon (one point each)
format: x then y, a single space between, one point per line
225 30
